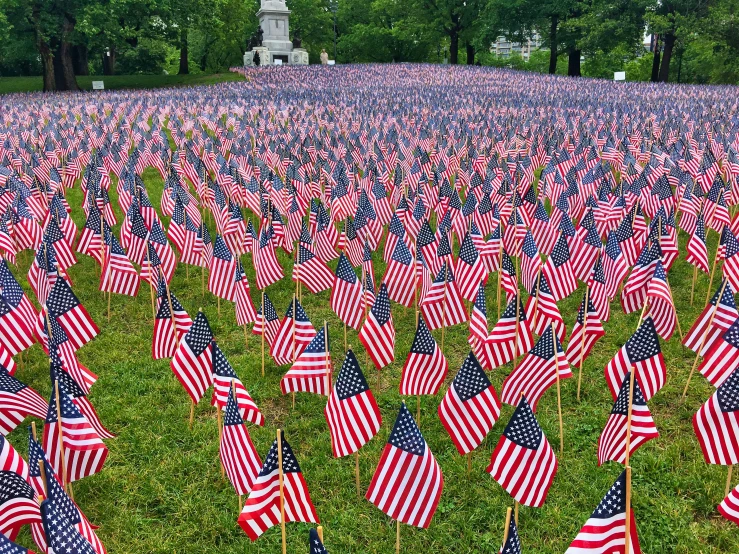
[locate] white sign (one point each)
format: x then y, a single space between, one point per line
619 76
98 85
332 62
278 62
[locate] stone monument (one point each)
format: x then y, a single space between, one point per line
272 40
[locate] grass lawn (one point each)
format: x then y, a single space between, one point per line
161 490
34 84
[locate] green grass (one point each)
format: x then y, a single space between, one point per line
113 82
161 490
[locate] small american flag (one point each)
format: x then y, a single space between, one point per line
294 334
612 441
469 269
18 503
587 331
443 305
262 509
117 274
523 462
346 294
729 507
538 371
238 455
269 323
245 312
530 262
9 547
165 339
315 546
605 531
222 270
269 270
470 407
399 276
614 266
408 482
661 305
714 320
311 371
696 247
192 363
479 326
425 367
18 400
643 352
558 270
717 421
542 310
312 271
60 534
71 315
352 413
508 339
731 261
225 383
512 544
377 335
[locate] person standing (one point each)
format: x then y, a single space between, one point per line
324 57
256 59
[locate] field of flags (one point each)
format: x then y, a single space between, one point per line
410 308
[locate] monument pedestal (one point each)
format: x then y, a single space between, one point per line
274 21
264 56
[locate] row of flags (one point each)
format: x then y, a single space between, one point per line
323 189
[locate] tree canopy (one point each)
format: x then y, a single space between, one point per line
695 40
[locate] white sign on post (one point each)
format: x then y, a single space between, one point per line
619 76
278 62
332 62
98 85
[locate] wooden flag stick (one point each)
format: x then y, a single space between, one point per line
728 481
582 340
703 339
515 511
397 537
246 336
536 300
559 392
151 285
42 469
443 310
192 413
220 437
320 532
356 473
282 490
713 272
507 524
61 436
515 336
264 330
500 270
629 414
627 538
418 410
469 462
171 308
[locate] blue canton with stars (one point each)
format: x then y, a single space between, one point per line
315 546
544 348
61 299
513 543
345 271
405 434
381 308
199 336
232 415
523 428
728 393
621 406
614 502
644 343
470 379
402 254
61 536
289 462
350 381
423 342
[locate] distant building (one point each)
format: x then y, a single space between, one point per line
504 48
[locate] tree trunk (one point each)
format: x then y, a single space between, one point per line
470 54
573 62
553 45
63 66
109 61
655 60
47 58
184 63
79 59
664 68
453 47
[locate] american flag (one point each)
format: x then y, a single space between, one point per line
542 310
661 305
352 413
635 289
312 271
16 301
9 547
530 262
612 441
225 381
443 305
18 503
10 460
399 276
587 331
696 247
538 371
509 339
294 334
512 544
615 266
346 294
15 335
17 400
222 270
71 315
262 509
117 274
408 482
315 546
53 235
714 320
377 335
79 397
558 270
311 371
508 279
192 363
269 270
731 261
470 407
716 424
605 531
523 462
267 324
585 254
165 339
425 367
479 326
642 352
60 534
238 455
469 269
245 312
729 507
84 451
